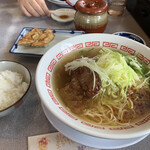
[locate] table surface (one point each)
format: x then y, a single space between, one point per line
29 119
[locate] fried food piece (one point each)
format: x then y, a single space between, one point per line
30 37
44 39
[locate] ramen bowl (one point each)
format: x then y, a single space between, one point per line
44 76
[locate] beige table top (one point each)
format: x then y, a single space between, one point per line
29 119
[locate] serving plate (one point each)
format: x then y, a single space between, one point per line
88 140
30 51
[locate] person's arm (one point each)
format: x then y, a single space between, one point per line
35 8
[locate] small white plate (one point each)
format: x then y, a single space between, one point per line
59 36
88 140
59 3
63 15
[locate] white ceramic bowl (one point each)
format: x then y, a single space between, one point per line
44 74
15 67
132 36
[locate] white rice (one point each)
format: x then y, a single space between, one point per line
12 88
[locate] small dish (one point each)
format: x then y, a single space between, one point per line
21 69
60 3
63 15
29 51
131 36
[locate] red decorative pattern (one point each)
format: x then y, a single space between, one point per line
122 128
143 121
128 50
92 44
52 64
124 48
72 48
47 80
131 51
61 54
140 56
42 144
76 47
144 59
64 52
67 113
110 44
52 96
90 125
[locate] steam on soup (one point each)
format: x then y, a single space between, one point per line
103 86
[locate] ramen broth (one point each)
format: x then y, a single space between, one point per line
92 110
60 76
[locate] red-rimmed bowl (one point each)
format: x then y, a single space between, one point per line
44 85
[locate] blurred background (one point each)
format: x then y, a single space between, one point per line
140 10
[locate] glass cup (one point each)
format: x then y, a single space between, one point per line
116 7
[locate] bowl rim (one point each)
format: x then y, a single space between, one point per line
15 62
81 129
115 33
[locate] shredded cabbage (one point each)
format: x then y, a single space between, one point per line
116 75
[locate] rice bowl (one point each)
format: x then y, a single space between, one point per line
15 82
44 85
